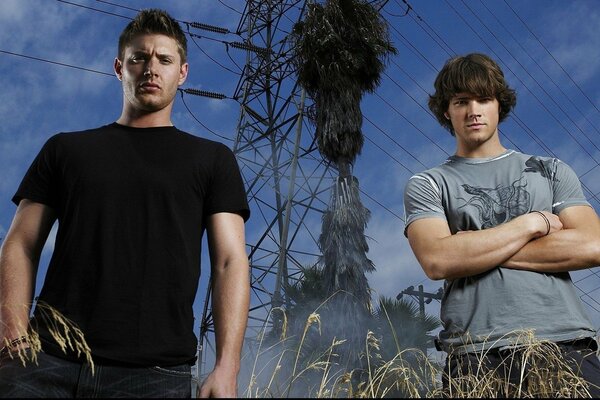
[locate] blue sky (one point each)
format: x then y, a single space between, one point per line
548 49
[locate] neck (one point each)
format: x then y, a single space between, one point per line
142 119
489 148
480 152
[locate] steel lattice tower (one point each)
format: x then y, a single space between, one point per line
286 179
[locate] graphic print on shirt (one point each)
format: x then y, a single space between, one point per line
543 167
498 205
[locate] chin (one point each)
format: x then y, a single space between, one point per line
149 106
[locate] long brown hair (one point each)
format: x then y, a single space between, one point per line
474 73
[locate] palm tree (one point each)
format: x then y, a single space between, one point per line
398 326
401 326
339 53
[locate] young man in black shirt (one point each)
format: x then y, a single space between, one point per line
132 199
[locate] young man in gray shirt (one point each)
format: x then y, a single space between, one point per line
503 229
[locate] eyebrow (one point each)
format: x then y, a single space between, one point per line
145 52
466 96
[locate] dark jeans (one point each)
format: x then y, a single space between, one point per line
500 373
56 377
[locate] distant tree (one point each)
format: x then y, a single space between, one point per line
401 326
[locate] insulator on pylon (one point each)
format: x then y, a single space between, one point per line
205 93
250 47
210 28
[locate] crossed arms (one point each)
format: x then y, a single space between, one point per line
572 243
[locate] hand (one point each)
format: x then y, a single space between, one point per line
546 222
220 383
14 346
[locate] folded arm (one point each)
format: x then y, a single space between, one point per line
446 256
230 301
576 246
19 260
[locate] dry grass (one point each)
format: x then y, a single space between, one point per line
284 373
281 371
546 373
66 334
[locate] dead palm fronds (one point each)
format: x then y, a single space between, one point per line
340 50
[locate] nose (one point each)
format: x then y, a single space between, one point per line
473 110
150 69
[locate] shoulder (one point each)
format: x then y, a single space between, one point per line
426 186
66 136
432 177
63 139
552 168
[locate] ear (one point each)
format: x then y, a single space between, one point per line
118 67
446 115
183 72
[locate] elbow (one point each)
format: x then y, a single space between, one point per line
435 270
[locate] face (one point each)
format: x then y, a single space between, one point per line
150 72
474 118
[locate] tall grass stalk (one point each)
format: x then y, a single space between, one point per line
410 373
65 332
538 368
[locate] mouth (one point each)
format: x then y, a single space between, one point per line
475 125
150 86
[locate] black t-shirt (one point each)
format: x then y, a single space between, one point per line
132 205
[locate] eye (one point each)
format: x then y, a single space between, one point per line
136 58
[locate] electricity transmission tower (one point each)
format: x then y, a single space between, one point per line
286 179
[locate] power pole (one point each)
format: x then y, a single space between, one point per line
285 175
422 298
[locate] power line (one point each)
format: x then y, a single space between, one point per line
237 73
523 83
411 123
62 64
555 60
197 25
94 9
527 53
118 5
200 122
417 18
230 7
531 76
381 205
394 141
388 154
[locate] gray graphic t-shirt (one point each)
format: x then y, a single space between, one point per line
485 310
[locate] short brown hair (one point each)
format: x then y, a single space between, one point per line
474 73
154 21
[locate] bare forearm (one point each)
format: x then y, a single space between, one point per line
19 258
565 250
17 272
474 252
575 247
231 296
